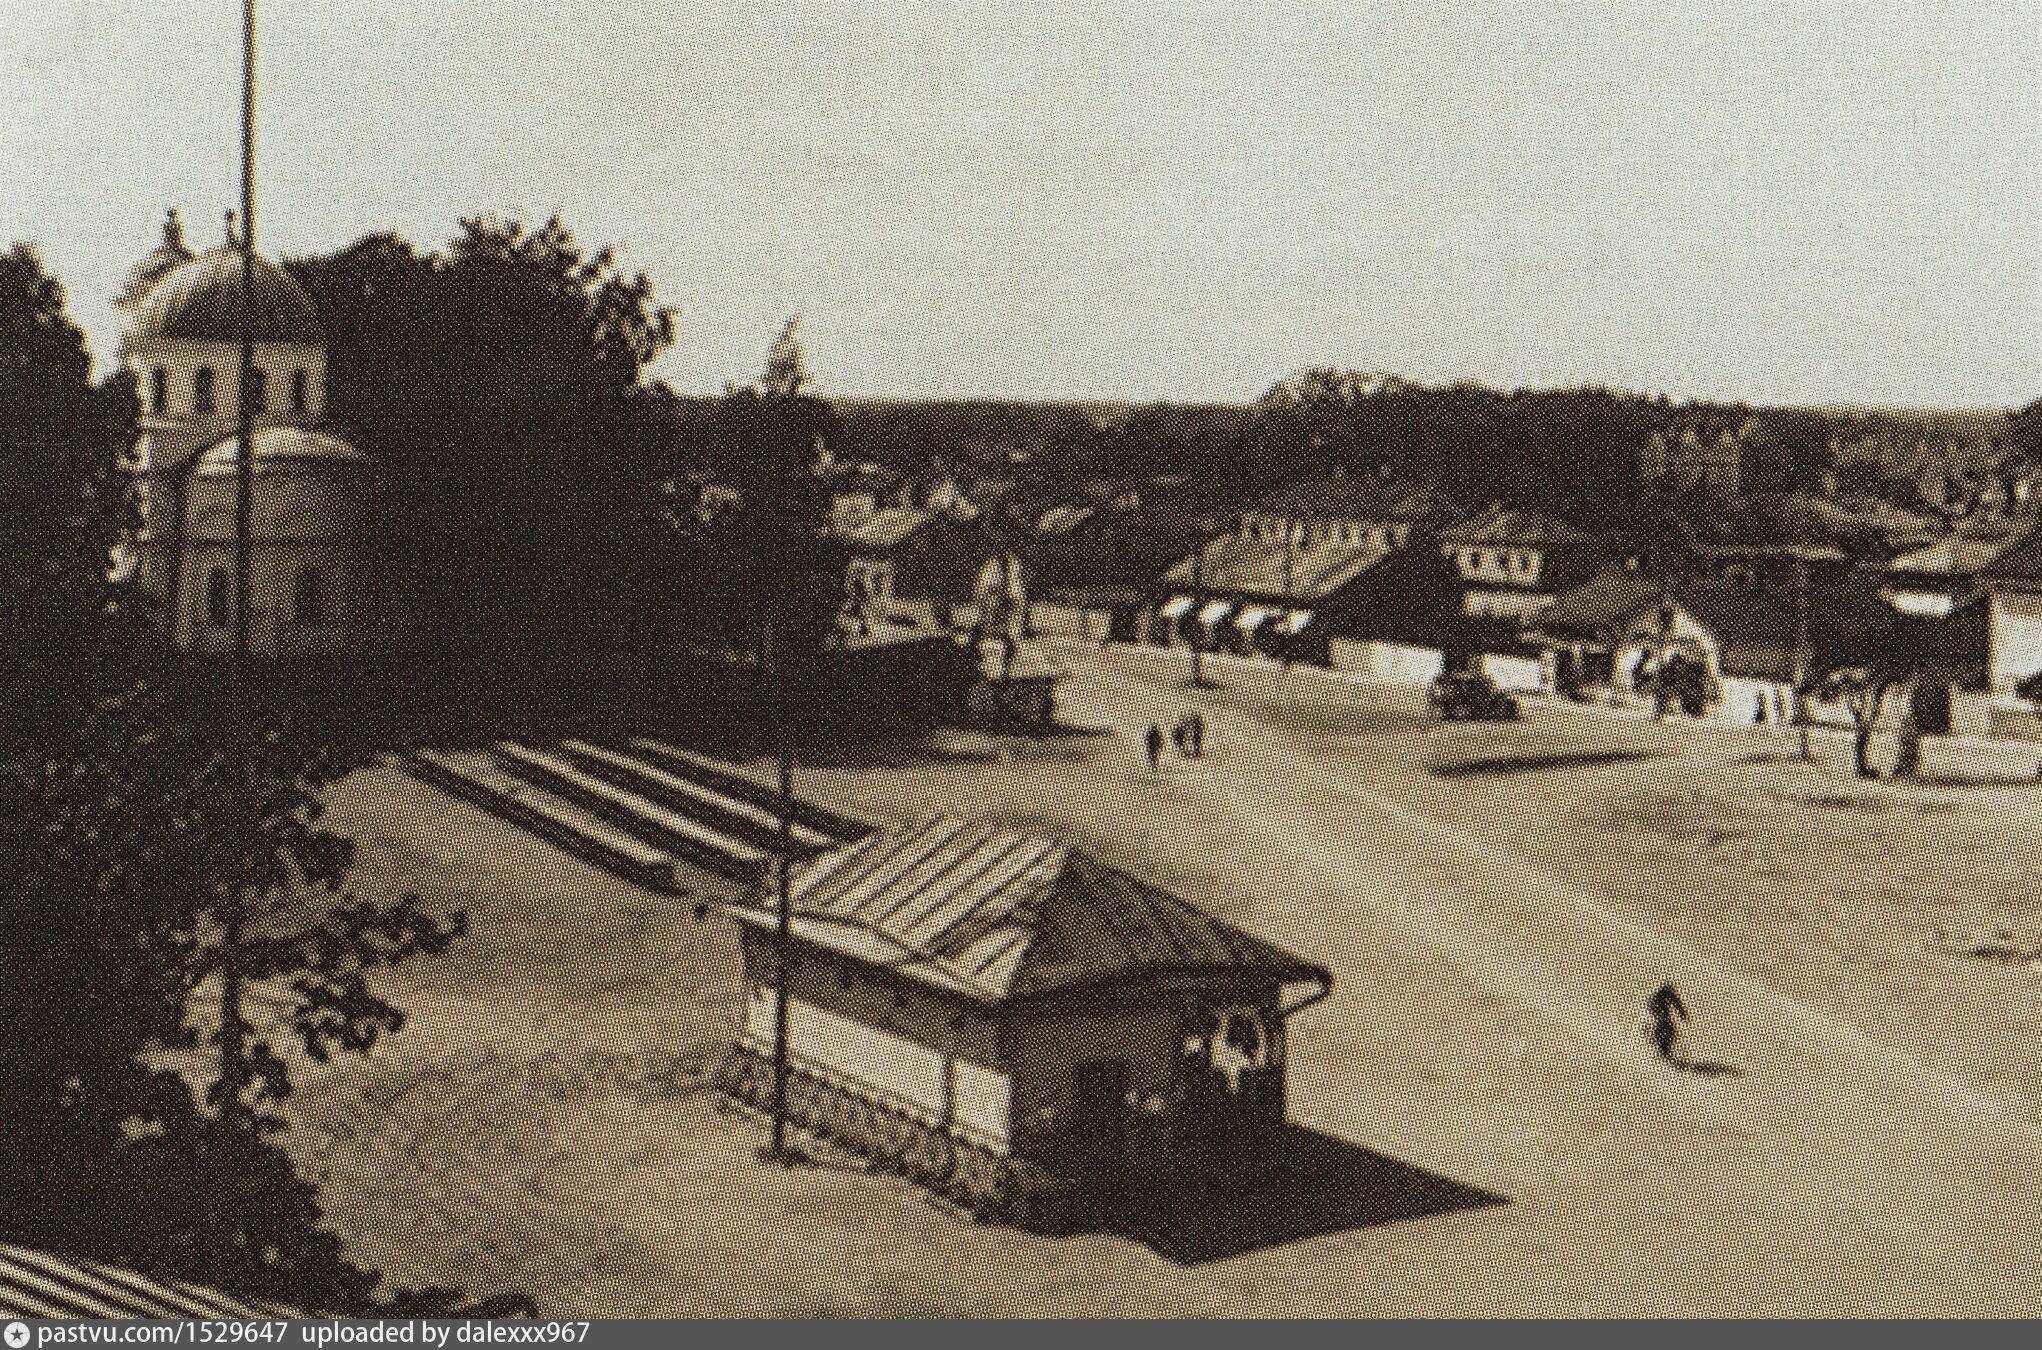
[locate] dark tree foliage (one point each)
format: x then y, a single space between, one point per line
497 381
2024 432
120 846
751 530
63 500
1570 451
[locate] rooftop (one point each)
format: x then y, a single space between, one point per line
1501 526
200 300
1249 564
997 914
1380 500
886 527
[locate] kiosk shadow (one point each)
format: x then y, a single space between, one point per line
1299 1184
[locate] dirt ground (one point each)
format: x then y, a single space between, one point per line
1494 1135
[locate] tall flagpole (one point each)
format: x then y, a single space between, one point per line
233 1026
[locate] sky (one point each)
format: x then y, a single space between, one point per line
1748 199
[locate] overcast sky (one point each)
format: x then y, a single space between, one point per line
1768 201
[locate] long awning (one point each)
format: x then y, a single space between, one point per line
1295 621
1214 611
1176 607
1252 618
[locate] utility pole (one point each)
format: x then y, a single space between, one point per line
233 1024
1284 639
1204 537
1198 680
1803 657
783 908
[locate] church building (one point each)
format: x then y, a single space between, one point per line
314 519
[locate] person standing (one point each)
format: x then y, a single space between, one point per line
1195 734
1155 743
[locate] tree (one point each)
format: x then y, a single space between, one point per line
1863 691
63 501
498 382
760 552
2024 432
120 846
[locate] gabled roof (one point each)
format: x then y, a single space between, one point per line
1247 564
997 914
1613 597
1387 501
1500 526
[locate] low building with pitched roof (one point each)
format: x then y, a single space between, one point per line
1753 639
1007 1000
1296 566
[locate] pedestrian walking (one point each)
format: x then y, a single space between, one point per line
1155 747
1180 736
1668 1016
1196 735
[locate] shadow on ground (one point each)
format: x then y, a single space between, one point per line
1305 1184
1500 765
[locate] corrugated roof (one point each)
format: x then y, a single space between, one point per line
38 1284
1245 563
997 914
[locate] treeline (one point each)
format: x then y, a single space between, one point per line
1573 451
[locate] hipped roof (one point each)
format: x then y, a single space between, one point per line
997 914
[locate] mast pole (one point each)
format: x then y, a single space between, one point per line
233 1024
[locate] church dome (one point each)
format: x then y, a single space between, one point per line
284 448
155 264
201 300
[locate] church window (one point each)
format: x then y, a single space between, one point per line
159 391
308 598
257 397
202 402
300 387
219 607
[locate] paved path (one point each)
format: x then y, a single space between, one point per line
1832 1153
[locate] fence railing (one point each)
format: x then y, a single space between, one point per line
892 1132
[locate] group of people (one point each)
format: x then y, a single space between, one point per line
1188 736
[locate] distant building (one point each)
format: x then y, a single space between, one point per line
1511 564
1696 458
314 585
1613 632
902 560
1000 1001
1298 559
2012 582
